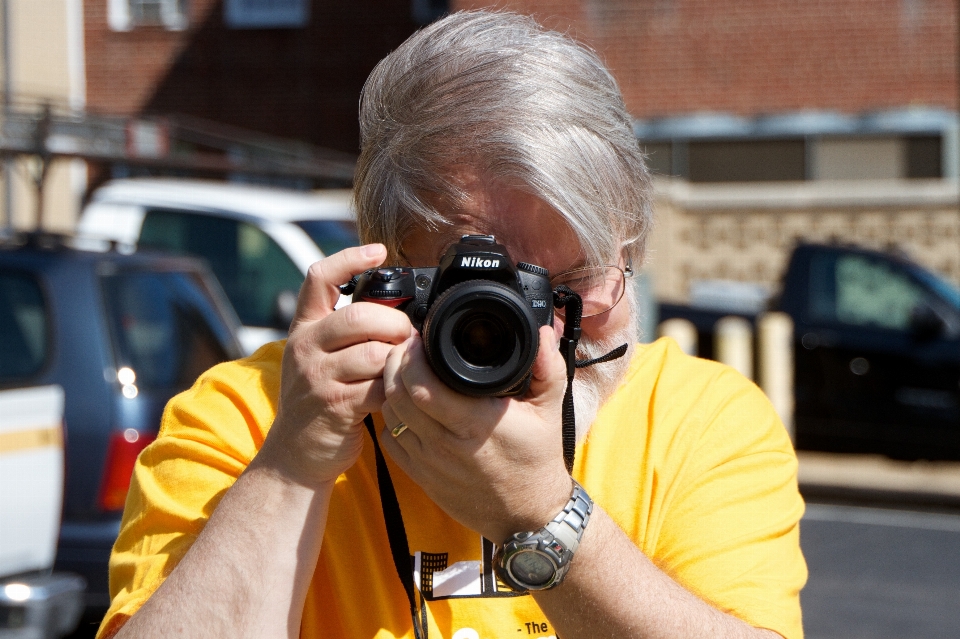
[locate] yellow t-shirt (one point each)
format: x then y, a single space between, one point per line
688 457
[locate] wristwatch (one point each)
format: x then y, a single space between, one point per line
539 560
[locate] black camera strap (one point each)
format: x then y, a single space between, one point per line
563 297
570 301
397 534
567 299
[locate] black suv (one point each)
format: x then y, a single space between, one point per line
121 334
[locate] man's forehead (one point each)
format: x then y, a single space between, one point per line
525 224
554 247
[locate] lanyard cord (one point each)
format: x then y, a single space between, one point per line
397 535
563 297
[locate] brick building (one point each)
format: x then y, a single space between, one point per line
723 91
771 90
845 109
290 68
752 57
808 95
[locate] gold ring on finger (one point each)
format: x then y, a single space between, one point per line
398 429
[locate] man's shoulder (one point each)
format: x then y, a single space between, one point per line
672 398
247 388
661 367
259 371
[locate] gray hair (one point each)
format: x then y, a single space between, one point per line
498 93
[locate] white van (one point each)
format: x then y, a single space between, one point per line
259 241
35 602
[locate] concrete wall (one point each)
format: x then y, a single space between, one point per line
746 232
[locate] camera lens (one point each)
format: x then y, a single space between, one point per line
481 338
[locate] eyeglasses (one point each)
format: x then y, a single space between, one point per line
600 287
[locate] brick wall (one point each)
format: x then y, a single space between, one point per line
295 83
761 56
670 56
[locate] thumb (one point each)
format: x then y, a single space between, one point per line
549 369
320 291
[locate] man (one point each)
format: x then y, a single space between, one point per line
257 511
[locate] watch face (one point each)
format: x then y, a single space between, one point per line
532 568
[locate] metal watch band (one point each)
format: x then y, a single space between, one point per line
568 526
557 542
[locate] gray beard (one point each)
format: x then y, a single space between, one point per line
593 386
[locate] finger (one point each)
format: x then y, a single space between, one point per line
370 395
357 363
350 403
399 448
362 322
549 369
320 290
398 400
422 425
424 392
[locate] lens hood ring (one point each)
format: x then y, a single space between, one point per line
481 338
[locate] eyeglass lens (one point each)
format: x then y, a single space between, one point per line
600 287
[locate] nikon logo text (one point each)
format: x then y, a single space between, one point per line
476 262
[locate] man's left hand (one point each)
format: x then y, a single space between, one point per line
495 464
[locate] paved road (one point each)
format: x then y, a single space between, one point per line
880 574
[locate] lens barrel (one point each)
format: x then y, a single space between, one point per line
481 338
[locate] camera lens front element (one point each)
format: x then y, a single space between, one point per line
481 338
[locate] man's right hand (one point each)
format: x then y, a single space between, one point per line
332 372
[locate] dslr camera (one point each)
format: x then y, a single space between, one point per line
479 313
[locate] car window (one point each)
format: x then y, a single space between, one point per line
160 332
24 326
332 236
862 291
945 289
253 270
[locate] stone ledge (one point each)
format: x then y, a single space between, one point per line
877 478
821 194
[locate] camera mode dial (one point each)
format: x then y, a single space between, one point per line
533 268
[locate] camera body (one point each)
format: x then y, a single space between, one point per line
479 313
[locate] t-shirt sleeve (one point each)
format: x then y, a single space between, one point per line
208 436
732 530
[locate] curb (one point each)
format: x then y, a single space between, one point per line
874 478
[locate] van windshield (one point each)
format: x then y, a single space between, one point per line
331 236
944 288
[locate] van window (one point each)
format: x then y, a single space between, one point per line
252 269
158 328
332 236
24 327
862 291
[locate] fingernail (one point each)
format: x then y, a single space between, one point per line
373 250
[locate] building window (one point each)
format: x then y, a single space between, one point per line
266 14
746 160
124 15
888 145
924 157
659 157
